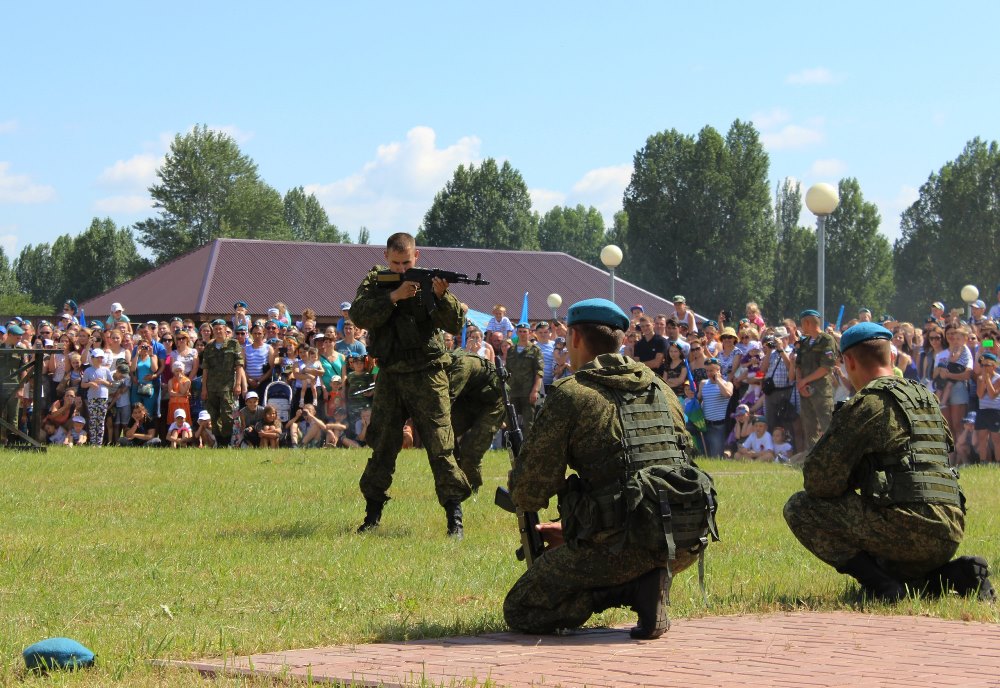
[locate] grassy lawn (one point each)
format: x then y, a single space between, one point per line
183 554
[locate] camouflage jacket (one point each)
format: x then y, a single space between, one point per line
579 428
402 336
472 379
221 364
524 367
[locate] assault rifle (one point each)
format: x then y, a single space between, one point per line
369 388
388 279
532 544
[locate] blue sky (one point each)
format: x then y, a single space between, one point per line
373 105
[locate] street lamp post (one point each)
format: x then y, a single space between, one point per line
821 199
969 294
554 301
611 256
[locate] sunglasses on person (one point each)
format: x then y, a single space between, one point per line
934 336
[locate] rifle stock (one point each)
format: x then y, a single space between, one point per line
532 544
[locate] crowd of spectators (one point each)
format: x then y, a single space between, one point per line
112 381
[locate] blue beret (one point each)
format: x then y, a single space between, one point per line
218 321
15 329
241 328
809 313
240 304
862 332
989 357
57 653
523 325
598 312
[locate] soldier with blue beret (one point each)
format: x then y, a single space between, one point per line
815 357
610 422
881 503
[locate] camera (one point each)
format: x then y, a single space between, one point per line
770 342
283 351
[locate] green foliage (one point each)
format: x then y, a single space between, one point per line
22 304
101 257
795 259
8 276
308 221
482 207
364 236
951 233
858 258
577 231
209 189
254 551
617 234
700 211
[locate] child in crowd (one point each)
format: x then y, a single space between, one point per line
361 427
250 417
141 430
742 429
335 396
752 373
782 447
759 446
305 429
310 376
179 433
74 435
965 443
179 391
342 435
120 399
500 322
269 429
203 435
97 380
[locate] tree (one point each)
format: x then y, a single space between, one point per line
98 259
617 234
482 207
577 231
308 221
209 189
699 217
794 289
364 236
36 274
858 257
951 234
8 280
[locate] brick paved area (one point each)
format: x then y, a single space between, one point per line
798 649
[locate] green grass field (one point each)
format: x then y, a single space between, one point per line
183 554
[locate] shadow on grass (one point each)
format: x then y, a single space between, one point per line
290 531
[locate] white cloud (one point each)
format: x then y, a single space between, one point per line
394 190
18 188
817 76
769 120
126 205
9 244
792 136
830 168
231 130
139 171
8 127
544 200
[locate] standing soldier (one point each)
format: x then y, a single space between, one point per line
815 357
412 382
222 380
526 367
880 502
10 382
477 411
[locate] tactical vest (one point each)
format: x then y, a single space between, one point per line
919 474
409 335
661 500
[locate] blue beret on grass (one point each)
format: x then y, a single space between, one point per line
862 332
57 653
598 312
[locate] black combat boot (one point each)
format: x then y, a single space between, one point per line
453 510
875 582
966 575
648 596
373 514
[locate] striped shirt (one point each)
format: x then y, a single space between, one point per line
713 404
256 360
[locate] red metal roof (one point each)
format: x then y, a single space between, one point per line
209 280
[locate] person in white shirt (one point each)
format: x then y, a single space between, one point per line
757 447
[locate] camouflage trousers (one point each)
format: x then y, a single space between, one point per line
908 542
816 410
474 426
219 405
557 591
423 396
525 411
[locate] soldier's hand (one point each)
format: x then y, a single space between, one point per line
406 290
440 286
552 534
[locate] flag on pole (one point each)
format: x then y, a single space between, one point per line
524 309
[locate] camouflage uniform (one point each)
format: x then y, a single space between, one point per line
817 408
11 405
476 411
579 428
525 367
221 364
355 383
411 383
845 508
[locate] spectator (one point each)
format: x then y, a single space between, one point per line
309 376
241 316
250 418
815 358
350 344
60 416
675 369
119 402
259 356
954 367
75 436
205 332
358 392
933 345
562 366
500 322
97 380
178 391
864 315
269 429
543 339
203 436
179 434
714 395
758 446
783 449
117 318
937 314
650 348
778 383
742 429
710 333
994 313
671 332
730 357
754 316
696 361
474 344
966 442
684 316
145 368
141 429
988 416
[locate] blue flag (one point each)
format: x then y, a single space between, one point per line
524 309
